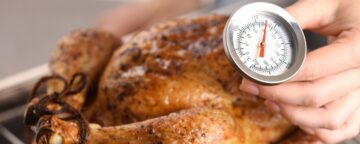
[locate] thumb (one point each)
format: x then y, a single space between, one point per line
312 14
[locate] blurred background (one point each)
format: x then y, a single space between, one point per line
29 29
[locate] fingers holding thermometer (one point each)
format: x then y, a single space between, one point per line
307 93
331 116
323 98
331 123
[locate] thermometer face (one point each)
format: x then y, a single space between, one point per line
265 43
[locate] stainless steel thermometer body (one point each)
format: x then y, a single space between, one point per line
265 43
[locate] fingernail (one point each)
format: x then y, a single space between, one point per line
273 106
249 87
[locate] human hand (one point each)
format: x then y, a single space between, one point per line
324 97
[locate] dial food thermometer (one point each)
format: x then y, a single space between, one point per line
265 43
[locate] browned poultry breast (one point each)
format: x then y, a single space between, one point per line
171 83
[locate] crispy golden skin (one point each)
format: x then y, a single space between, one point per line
86 51
179 65
170 83
197 126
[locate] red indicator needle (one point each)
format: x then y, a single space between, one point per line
262 43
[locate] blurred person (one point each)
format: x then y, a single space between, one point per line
323 99
130 17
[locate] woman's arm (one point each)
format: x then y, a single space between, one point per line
127 18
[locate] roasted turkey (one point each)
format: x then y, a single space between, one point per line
171 83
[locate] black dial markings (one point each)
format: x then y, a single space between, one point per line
246 35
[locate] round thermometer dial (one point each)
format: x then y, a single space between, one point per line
265 43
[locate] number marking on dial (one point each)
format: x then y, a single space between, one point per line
265 44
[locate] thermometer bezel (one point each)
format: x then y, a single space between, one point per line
281 16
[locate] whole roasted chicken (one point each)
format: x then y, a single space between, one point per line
171 84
